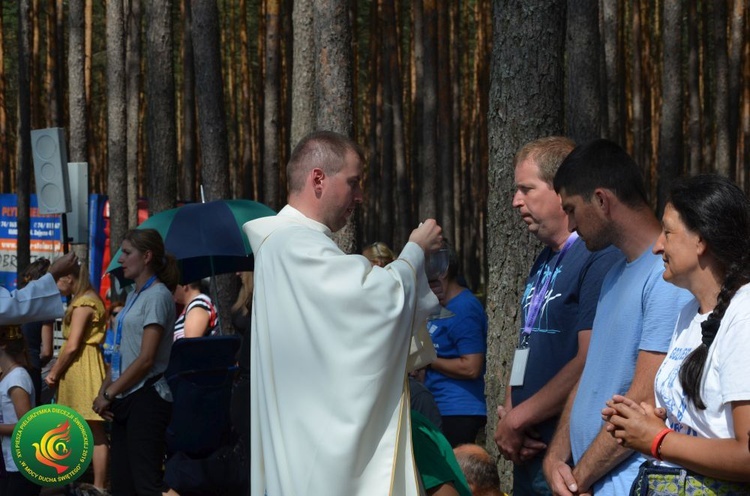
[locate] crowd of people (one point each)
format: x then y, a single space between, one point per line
361 375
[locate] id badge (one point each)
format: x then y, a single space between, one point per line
518 371
116 362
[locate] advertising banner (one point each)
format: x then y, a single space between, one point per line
45 237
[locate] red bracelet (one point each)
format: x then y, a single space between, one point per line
656 443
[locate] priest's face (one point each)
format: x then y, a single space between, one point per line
342 192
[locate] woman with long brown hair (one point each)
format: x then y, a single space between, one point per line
702 385
135 395
79 370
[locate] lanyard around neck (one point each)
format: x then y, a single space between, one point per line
128 306
537 300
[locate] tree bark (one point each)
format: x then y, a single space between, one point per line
613 64
23 143
212 121
670 131
583 102
736 24
526 101
303 72
271 107
53 83
161 129
444 148
722 158
77 122
428 167
116 124
333 67
246 158
93 151
333 90
694 99
403 223
636 81
189 141
133 102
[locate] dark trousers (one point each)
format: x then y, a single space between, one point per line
462 429
15 484
138 443
528 478
240 411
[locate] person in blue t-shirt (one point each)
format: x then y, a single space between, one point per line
602 191
456 377
557 313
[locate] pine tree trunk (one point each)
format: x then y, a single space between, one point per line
526 101
116 124
694 99
670 136
53 85
212 121
161 130
303 75
23 133
403 223
271 91
583 102
189 135
133 102
77 146
246 158
444 148
333 90
612 62
427 183
736 24
722 159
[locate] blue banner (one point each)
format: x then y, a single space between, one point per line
46 237
44 231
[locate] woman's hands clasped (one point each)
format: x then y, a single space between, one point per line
633 425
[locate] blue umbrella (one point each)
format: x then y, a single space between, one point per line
205 238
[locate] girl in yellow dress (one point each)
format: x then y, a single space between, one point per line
79 370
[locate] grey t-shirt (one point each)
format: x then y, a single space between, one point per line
154 306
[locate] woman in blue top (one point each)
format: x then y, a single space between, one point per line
456 377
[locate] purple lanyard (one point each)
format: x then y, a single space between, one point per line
537 301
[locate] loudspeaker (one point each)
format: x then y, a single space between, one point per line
51 170
78 218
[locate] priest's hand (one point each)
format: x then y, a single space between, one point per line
64 265
428 235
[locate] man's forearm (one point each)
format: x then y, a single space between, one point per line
559 446
604 453
602 456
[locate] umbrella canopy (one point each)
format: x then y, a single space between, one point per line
205 238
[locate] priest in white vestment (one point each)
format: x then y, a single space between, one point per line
39 299
330 337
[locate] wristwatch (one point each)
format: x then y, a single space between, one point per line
106 395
